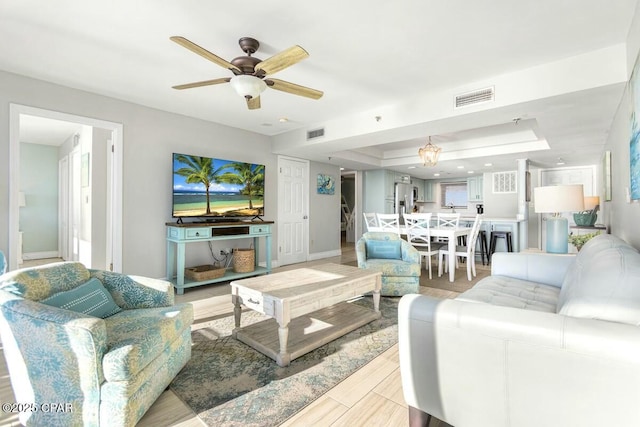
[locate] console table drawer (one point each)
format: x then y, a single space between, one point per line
260 229
197 233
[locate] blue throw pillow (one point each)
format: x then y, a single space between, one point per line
90 298
385 249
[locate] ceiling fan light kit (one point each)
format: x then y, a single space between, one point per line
250 73
429 154
248 86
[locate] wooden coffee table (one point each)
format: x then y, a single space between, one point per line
307 307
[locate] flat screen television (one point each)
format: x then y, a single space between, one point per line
217 189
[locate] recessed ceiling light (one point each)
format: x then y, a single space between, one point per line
488 164
283 120
460 167
266 124
469 171
411 167
436 174
560 162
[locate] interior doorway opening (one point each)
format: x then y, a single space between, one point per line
65 195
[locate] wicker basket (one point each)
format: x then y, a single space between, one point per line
204 272
244 260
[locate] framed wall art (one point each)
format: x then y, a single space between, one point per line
326 184
634 143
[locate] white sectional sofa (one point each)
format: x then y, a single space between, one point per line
546 340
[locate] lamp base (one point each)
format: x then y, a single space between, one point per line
557 235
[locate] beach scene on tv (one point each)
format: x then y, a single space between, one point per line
208 187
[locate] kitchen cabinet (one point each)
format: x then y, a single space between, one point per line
417 182
429 190
379 187
474 189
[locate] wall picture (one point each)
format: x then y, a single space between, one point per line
634 143
326 184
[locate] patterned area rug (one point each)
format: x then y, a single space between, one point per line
228 383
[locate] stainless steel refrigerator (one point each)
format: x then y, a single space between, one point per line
405 198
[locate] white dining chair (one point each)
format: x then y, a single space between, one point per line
418 235
467 251
370 221
447 220
389 222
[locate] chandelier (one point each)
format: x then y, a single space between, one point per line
429 154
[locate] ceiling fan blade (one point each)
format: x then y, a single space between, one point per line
293 88
253 103
204 53
281 60
203 83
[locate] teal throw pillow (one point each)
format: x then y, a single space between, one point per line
90 298
385 249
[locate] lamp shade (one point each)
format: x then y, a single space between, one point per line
559 198
248 86
591 202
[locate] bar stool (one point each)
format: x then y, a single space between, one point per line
484 251
495 235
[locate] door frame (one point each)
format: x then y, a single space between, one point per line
305 207
15 110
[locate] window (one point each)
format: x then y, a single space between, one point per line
453 194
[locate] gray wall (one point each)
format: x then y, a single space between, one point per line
622 216
150 137
324 212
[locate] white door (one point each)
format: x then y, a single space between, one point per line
292 210
63 208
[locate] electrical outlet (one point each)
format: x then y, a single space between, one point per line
222 252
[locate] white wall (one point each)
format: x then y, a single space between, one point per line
150 138
620 215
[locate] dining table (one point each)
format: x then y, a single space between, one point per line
450 233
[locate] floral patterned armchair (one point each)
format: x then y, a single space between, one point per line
105 371
396 259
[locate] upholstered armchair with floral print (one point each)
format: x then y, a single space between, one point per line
101 345
396 259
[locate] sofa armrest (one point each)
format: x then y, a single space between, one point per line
548 269
136 291
53 355
477 364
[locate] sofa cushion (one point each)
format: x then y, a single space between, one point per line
511 292
136 337
383 249
90 298
607 287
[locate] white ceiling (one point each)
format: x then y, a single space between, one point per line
364 55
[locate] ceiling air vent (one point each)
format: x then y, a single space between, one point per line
316 133
475 97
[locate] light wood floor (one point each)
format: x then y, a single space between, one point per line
372 396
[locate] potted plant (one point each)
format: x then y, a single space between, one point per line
578 240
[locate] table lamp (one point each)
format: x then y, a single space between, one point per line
556 199
587 218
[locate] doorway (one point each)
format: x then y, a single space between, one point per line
77 166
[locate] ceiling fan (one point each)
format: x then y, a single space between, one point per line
250 73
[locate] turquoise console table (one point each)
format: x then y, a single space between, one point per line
179 235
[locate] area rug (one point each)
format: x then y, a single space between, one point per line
227 383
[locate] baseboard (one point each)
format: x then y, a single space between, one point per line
40 255
321 255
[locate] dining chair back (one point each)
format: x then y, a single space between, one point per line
418 235
467 251
389 222
370 221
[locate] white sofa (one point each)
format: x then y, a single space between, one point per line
546 340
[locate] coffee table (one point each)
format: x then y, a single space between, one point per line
307 308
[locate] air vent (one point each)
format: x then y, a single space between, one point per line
316 133
475 97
